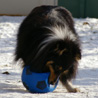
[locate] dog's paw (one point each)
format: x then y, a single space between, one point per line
75 90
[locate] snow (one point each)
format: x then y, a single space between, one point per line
87 76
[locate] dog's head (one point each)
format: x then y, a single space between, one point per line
62 56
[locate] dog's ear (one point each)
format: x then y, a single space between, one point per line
76 50
77 53
78 56
59 51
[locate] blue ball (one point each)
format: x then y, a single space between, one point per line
37 82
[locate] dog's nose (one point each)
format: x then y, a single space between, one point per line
53 82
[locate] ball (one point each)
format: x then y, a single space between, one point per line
37 82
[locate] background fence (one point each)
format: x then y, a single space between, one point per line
81 8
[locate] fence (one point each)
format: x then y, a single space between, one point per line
81 8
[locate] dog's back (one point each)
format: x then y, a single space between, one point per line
35 29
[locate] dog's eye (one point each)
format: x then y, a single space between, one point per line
58 68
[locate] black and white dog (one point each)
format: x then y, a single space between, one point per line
48 42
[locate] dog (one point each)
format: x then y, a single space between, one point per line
47 42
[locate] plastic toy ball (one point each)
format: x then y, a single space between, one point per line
37 82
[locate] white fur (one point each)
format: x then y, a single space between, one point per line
60 33
57 33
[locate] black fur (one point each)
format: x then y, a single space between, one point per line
35 50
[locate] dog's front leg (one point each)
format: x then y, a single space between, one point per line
70 87
67 84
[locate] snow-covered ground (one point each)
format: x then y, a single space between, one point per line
87 77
